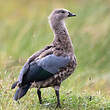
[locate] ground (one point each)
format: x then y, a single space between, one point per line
24 29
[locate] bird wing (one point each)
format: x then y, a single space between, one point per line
47 50
52 63
37 54
43 68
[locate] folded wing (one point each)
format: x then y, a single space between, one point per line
43 68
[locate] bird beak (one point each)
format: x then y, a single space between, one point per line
71 14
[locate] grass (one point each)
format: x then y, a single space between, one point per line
24 30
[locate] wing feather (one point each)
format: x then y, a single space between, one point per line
52 63
25 68
42 66
45 67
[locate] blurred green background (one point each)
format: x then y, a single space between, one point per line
24 29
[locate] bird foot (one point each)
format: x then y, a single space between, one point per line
40 101
58 106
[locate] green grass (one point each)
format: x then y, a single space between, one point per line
24 29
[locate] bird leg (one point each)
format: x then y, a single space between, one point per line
57 94
39 96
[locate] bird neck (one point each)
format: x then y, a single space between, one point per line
61 37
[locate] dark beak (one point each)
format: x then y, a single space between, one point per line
71 14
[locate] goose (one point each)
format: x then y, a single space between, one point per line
50 66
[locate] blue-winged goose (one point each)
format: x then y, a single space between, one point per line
51 65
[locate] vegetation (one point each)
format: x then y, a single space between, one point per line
24 29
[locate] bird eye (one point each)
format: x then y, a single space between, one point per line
62 11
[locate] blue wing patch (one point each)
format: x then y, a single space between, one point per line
42 69
52 63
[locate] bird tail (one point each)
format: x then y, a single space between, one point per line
14 85
21 91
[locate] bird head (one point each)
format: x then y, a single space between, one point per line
60 14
